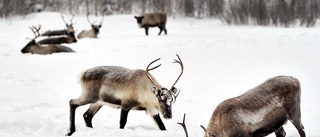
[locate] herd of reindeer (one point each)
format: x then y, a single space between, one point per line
258 112
52 44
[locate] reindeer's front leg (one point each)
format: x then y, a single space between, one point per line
124 116
158 120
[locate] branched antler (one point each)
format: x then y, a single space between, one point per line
175 95
147 72
183 124
35 31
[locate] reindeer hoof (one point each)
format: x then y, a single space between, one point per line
69 133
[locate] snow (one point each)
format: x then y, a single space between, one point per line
220 61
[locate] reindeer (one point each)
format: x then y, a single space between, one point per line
36 48
123 88
66 31
70 38
259 111
152 20
93 32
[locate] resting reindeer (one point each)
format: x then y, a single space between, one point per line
259 111
66 31
93 32
70 38
36 48
152 20
126 89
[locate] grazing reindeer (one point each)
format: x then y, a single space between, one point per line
36 48
126 89
152 20
93 32
70 38
66 31
259 111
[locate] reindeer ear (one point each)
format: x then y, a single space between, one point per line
136 17
174 90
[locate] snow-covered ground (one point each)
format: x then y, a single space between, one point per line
220 62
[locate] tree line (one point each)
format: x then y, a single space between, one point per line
256 12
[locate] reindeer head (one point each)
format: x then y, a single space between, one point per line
95 27
165 96
32 43
69 26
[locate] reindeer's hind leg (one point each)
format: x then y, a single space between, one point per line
88 115
295 118
74 103
297 123
280 132
161 29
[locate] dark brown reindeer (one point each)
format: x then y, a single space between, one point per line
259 111
67 31
93 32
148 20
35 48
126 89
69 38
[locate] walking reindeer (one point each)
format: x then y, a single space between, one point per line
93 32
124 88
34 47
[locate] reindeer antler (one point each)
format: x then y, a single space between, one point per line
147 72
102 20
88 19
183 124
35 31
71 23
175 95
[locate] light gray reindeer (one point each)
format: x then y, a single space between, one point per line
69 29
126 89
93 32
36 48
259 111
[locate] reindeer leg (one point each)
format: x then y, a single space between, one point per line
280 132
147 29
297 123
74 103
124 116
161 29
295 118
158 120
88 115
165 30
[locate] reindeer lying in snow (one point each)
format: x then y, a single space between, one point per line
93 32
259 111
126 89
66 31
37 48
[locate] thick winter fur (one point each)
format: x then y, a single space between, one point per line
92 33
152 20
123 88
36 48
259 111
70 38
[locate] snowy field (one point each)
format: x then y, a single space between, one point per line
220 62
